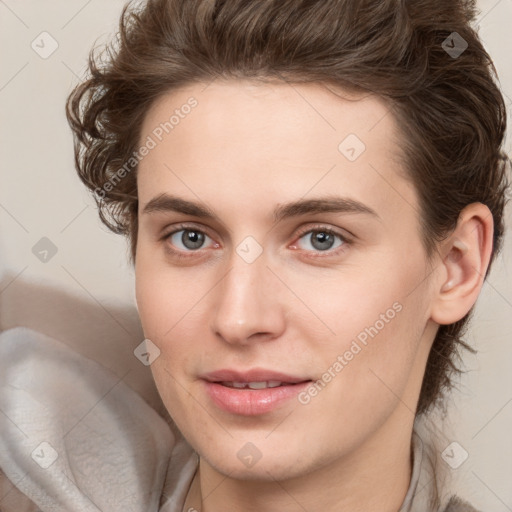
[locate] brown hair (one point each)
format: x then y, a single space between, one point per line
449 107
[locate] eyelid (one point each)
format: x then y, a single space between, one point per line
184 226
324 227
347 240
179 253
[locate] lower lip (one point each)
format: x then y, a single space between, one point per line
251 402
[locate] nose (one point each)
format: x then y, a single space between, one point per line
247 303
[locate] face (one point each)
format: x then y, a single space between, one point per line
281 274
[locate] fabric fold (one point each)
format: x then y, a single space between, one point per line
75 438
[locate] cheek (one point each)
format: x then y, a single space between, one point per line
172 316
363 297
166 297
375 320
167 313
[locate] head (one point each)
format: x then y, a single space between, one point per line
251 117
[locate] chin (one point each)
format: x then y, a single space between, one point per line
260 459
268 470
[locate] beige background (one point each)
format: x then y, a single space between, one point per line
84 294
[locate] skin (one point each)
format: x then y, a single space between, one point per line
244 150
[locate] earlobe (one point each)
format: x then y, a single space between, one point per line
461 272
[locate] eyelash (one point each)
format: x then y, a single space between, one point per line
304 231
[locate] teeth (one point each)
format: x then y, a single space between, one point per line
253 385
257 385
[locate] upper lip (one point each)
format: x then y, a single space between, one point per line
252 375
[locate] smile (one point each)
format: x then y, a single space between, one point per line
251 392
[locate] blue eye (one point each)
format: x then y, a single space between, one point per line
322 240
190 239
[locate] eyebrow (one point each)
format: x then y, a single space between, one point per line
330 204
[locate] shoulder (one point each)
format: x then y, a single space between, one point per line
458 505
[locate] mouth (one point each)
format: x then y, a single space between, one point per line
255 385
252 392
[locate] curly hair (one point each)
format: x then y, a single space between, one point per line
423 58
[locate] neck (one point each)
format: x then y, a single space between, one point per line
373 478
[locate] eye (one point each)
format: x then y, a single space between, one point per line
188 239
320 240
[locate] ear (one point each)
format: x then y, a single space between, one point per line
465 256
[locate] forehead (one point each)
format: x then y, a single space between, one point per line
274 112
270 142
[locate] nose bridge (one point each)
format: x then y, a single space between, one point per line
245 304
